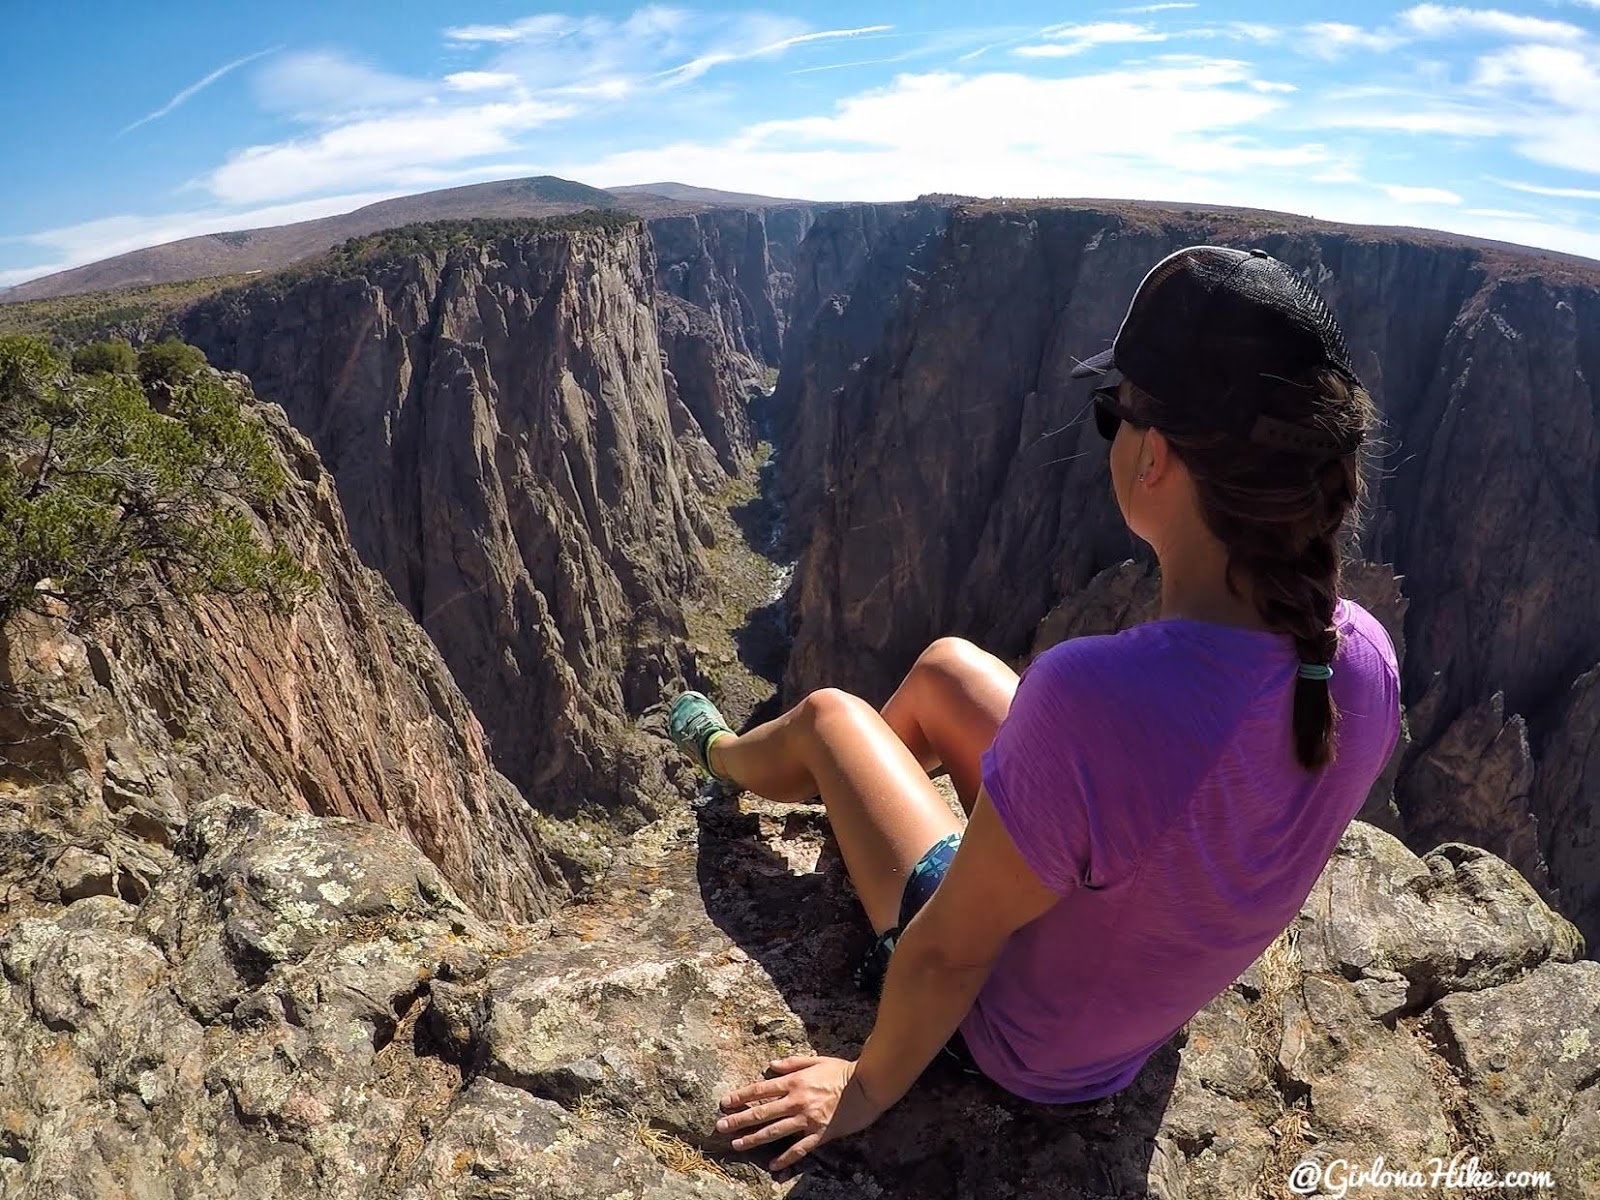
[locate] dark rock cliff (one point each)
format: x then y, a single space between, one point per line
516 429
206 993
110 737
736 265
942 478
723 280
497 420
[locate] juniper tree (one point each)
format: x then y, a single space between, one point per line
102 496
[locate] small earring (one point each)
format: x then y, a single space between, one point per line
1141 476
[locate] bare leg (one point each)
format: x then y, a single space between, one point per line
766 760
884 811
948 707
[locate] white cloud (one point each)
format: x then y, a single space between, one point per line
1338 174
197 86
655 47
600 89
1565 193
1251 31
373 128
1560 90
863 62
1566 75
697 67
1404 194
529 28
1440 118
1062 41
1175 135
1171 131
391 151
321 85
1437 20
480 81
1333 39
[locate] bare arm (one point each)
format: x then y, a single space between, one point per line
938 966
945 954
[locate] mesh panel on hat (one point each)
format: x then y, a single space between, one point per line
1213 329
1272 283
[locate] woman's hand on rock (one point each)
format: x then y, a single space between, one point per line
816 1098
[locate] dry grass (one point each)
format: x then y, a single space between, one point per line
1280 970
1466 1137
1290 1143
676 1154
669 1150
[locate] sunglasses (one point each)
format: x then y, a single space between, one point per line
1109 413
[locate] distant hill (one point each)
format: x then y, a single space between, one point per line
688 194
250 250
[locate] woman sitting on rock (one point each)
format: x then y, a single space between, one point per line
1146 811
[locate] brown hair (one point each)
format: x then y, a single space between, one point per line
1281 516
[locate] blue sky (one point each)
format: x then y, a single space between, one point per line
130 124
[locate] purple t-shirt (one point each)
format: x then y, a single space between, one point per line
1149 778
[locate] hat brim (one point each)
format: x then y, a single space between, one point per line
1098 365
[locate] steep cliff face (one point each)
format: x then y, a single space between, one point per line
941 467
724 279
499 425
736 265
849 273
343 708
205 992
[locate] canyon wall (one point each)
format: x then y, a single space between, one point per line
111 736
944 479
519 428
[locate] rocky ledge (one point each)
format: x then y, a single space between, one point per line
303 1006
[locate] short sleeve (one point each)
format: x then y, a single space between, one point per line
1036 773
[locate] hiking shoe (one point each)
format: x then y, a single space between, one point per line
694 723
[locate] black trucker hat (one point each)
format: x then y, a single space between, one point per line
1212 332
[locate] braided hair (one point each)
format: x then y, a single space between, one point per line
1281 516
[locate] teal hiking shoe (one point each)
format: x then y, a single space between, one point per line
694 723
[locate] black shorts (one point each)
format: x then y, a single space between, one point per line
920 886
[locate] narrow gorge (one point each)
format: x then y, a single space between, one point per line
406 894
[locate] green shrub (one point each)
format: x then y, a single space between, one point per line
169 363
115 357
101 495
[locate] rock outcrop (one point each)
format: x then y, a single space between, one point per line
942 477
723 282
496 417
110 737
737 266
303 1006
519 428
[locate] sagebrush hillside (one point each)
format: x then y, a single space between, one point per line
270 249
